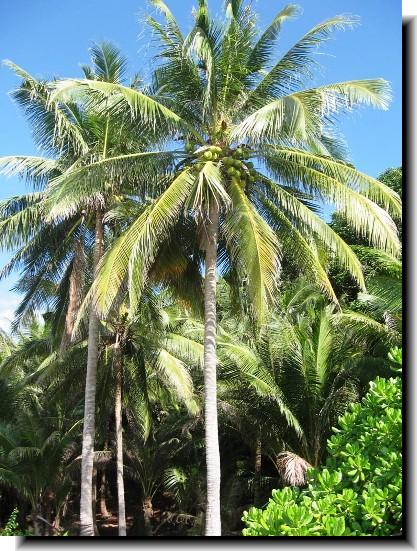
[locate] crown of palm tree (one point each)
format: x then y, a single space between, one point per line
218 86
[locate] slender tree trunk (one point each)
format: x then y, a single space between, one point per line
118 366
213 522
75 287
147 515
57 520
65 506
258 469
37 530
87 460
60 514
49 499
94 501
104 512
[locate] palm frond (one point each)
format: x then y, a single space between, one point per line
56 125
37 170
380 261
89 185
248 364
367 325
209 186
253 243
292 469
177 375
232 8
294 67
20 218
365 217
307 222
185 348
133 252
302 114
262 51
108 63
199 44
142 107
296 244
172 23
340 171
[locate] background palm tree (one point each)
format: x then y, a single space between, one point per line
306 364
66 195
38 441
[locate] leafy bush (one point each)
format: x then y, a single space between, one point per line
359 490
12 526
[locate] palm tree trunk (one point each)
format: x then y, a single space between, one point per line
147 508
258 469
118 366
87 460
75 286
60 513
213 522
37 530
49 499
104 512
94 501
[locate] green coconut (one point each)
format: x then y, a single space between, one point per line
207 155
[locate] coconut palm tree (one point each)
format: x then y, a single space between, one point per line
38 245
96 137
220 91
306 363
36 451
145 339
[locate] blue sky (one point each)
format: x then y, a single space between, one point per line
50 38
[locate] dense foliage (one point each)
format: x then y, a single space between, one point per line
359 491
11 527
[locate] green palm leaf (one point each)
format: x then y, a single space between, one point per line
340 171
177 376
148 110
261 52
302 114
253 244
298 245
248 364
294 67
307 221
134 250
37 170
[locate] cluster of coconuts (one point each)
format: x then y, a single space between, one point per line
232 160
235 167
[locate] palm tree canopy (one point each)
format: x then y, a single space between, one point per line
252 142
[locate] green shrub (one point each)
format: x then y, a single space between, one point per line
12 526
358 492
